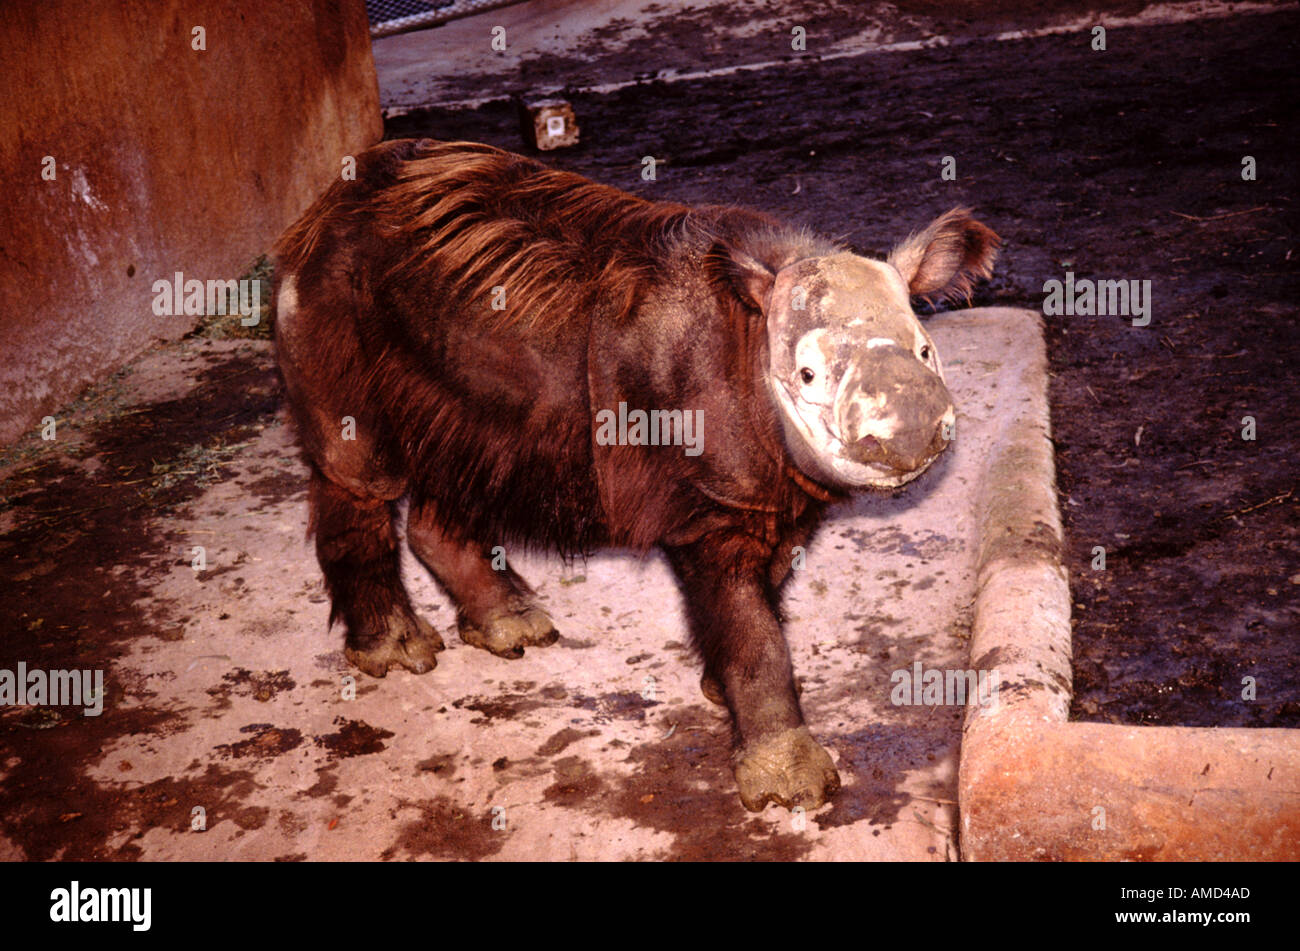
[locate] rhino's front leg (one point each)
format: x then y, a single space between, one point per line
735 627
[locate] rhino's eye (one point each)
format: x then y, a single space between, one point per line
925 353
807 375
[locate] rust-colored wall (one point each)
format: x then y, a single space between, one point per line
168 159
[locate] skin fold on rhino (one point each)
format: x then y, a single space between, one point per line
470 312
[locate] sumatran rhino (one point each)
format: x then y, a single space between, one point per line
453 323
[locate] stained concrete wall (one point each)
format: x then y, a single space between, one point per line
166 158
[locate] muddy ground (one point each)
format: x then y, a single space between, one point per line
1123 164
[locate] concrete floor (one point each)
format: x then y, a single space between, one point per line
599 747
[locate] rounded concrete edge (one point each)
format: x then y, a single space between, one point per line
1032 786
1021 625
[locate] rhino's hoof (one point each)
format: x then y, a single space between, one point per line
790 769
409 642
507 633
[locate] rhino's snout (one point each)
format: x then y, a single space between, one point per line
893 412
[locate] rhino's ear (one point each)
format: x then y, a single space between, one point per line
750 277
948 257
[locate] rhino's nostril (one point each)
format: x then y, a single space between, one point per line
869 444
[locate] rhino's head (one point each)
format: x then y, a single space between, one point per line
857 380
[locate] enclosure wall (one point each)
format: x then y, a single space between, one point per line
166 158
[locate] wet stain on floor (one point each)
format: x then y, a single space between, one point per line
443 829
77 557
266 741
683 785
353 738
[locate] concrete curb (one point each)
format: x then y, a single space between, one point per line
1032 785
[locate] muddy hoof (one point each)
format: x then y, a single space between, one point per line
408 642
789 769
507 633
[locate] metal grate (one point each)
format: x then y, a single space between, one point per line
398 16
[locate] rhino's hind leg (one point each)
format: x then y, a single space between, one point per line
495 609
357 548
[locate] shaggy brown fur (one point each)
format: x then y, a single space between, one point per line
483 416
452 221
559 243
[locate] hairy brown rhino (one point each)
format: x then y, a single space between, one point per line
457 325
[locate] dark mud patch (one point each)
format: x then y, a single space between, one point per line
501 707
276 486
618 705
79 823
262 686
558 742
266 742
1117 165
291 824
444 830
575 783
442 765
327 780
353 738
